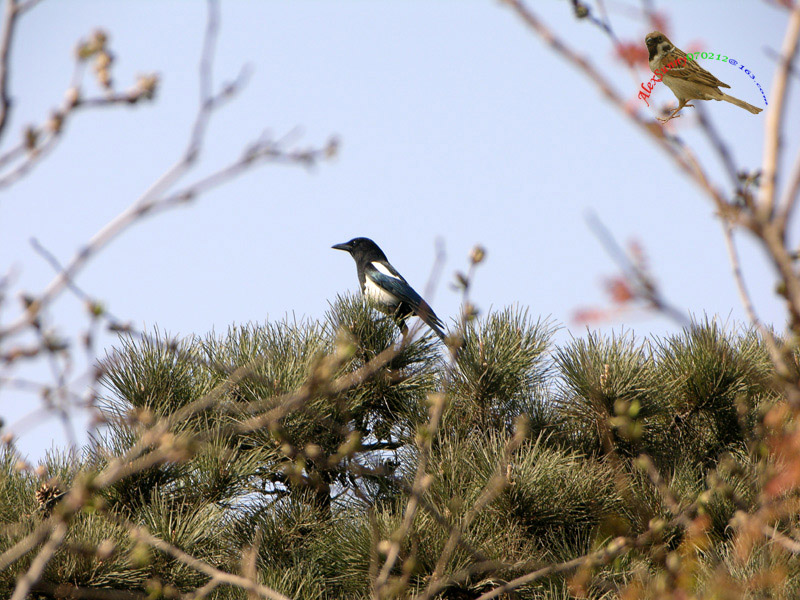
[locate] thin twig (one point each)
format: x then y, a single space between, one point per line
493 488
747 303
203 567
784 541
67 591
6 38
615 548
25 545
646 464
642 283
723 150
422 481
39 563
47 137
154 196
71 285
776 56
26 6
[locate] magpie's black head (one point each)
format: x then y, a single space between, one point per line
362 249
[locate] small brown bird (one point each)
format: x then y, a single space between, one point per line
687 79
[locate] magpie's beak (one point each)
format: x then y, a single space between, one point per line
344 247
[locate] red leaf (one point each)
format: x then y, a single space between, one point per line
633 53
590 315
619 290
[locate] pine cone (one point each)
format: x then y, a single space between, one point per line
47 496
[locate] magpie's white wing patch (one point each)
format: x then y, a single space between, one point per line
381 268
378 292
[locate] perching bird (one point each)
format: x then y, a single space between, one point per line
381 283
686 79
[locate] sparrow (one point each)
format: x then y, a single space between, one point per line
687 79
386 288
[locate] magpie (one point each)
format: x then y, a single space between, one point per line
381 283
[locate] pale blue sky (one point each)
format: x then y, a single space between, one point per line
455 122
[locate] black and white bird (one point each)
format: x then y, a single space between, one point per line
383 285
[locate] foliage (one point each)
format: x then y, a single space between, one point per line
501 371
542 439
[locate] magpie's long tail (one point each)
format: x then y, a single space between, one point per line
425 312
430 322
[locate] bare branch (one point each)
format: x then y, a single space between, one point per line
154 197
74 592
221 577
776 56
26 6
51 259
39 563
6 38
38 142
642 283
775 115
422 480
723 150
784 541
615 548
25 545
790 196
494 487
744 296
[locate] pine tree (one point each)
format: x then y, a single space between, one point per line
285 466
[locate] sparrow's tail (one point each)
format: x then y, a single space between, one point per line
740 103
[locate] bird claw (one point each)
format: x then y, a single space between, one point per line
674 114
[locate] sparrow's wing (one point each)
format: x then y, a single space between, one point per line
690 70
